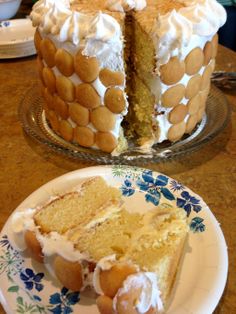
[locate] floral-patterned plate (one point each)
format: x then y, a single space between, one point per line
26 286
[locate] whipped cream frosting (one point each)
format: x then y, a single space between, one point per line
51 243
174 30
99 33
150 295
126 5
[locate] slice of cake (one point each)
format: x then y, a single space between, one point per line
89 238
116 69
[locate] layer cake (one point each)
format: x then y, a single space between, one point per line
88 238
114 70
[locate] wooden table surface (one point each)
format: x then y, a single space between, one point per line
26 164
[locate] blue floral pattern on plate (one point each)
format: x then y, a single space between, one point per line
63 301
31 280
5 24
25 282
159 187
30 286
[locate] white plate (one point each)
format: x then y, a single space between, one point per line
16 38
26 286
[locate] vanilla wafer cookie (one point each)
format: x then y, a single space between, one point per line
194 61
40 67
191 123
208 52
215 45
177 114
173 71
65 130
53 120
176 131
193 86
84 136
103 119
37 41
111 78
65 88
61 107
194 104
64 62
48 51
79 114
114 99
87 96
200 113
172 96
206 77
49 79
87 68
106 141
48 97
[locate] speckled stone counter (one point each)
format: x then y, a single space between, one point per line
26 164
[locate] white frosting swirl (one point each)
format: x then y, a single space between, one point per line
97 33
126 5
49 13
20 222
150 295
174 29
207 16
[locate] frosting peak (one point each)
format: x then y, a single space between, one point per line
207 16
150 296
126 5
103 27
96 33
175 29
56 17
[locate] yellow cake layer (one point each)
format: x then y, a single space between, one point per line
76 208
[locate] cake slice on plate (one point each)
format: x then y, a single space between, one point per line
90 238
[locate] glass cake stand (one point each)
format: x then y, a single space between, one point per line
33 121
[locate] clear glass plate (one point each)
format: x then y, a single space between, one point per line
34 124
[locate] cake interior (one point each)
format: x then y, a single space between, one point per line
144 91
100 226
74 208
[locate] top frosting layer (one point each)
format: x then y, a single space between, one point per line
196 18
126 5
97 33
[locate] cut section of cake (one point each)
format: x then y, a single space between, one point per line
175 45
114 70
88 237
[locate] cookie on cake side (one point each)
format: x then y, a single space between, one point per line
88 238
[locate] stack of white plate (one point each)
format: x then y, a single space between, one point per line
16 38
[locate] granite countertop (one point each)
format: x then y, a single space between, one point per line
26 164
